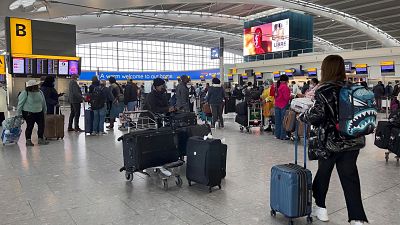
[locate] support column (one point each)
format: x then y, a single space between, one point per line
221 60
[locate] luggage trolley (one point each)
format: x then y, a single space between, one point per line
254 115
146 120
138 120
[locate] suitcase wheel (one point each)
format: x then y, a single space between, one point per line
165 184
129 176
241 129
178 181
248 129
387 156
309 219
291 222
219 186
209 189
273 213
190 183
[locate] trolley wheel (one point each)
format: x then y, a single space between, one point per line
309 219
190 183
178 181
273 213
129 176
165 184
387 156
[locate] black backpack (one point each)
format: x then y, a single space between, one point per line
97 100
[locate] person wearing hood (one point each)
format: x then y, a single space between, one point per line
182 94
50 94
215 98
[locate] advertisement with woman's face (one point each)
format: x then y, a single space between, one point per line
266 38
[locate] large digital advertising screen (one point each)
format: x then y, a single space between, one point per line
265 38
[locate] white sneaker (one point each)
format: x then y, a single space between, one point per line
357 222
320 213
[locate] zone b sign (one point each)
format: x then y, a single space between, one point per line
20 35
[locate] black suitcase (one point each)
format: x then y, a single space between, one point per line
242 120
382 134
149 148
183 119
88 113
394 142
206 161
230 105
184 133
241 108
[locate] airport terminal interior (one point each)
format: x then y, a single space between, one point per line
190 96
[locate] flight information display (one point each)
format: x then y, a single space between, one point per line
41 68
63 67
28 66
18 65
52 66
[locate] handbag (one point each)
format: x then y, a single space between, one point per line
206 108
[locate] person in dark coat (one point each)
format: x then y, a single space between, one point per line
379 92
50 94
215 98
157 101
131 95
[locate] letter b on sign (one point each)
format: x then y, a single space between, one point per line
20 36
20 29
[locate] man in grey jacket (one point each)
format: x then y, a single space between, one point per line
182 94
75 99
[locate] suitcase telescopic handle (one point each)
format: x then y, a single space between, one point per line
296 143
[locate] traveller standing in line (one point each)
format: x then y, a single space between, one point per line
99 96
131 95
75 99
32 107
117 105
295 89
215 98
182 94
379 92
3 103
324 115
282 98
50 94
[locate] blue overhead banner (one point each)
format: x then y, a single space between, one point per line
173 75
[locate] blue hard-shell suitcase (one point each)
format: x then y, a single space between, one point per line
291 188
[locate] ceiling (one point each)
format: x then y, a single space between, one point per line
191 22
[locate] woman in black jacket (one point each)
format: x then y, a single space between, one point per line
50 94
333 149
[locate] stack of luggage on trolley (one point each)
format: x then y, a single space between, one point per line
160 143
297 106
249 114
11 130
387 135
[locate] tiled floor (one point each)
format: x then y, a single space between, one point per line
76 181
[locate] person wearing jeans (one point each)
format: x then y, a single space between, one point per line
282 98
75 99
215 98
32 107
99 105
131 95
